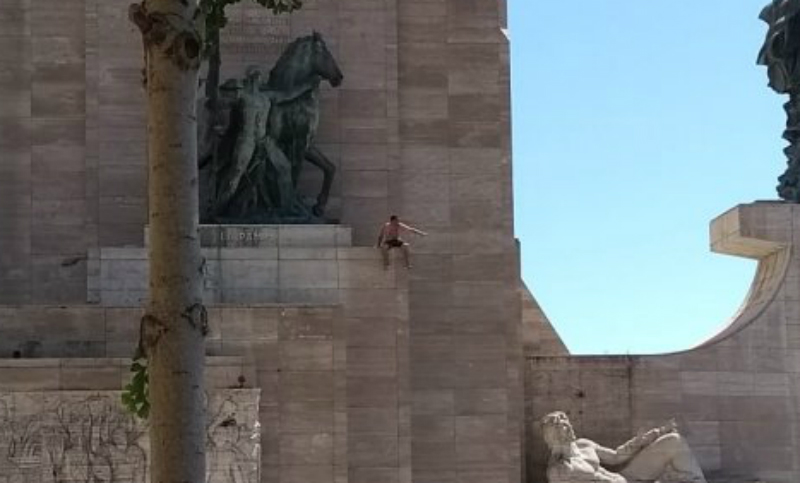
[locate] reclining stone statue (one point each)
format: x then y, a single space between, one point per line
660 455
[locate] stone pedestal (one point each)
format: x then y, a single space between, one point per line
251 264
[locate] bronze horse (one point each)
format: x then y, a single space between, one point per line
293 122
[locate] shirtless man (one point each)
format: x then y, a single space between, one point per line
660 455
389 238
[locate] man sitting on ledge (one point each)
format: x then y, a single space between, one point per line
660 455
389 238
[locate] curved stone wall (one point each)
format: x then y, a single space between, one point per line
735 396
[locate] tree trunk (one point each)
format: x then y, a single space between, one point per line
174 327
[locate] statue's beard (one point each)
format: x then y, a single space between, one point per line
561 434
566 434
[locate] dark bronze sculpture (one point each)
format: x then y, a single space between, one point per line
255 136
293 124
781 55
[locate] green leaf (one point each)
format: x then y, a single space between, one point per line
144 411
136 394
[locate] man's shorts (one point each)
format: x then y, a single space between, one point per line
397 243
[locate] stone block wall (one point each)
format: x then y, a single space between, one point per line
455 180
54 373
735 397
73 139
420 128
539 338
45 219
295 356
289 264
334 379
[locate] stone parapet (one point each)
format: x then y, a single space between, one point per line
105 373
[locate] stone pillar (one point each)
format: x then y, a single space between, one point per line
455 180
15 151
58 177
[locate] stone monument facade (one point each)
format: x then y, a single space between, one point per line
366 375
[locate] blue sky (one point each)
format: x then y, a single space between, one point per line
635 124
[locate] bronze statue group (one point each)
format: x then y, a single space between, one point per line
254 136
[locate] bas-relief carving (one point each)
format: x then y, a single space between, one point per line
87 437
660 455
255 137
781 55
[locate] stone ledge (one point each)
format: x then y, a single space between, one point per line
291 275
264 236
752 231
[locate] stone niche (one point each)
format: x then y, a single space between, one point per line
87 436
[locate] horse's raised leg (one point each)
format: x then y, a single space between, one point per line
315 157
296 155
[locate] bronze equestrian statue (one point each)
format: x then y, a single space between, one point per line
256 136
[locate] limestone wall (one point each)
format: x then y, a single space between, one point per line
539 338
289 264
455 179
332 405
736 397
420 127
72 127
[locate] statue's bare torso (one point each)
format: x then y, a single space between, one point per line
582 466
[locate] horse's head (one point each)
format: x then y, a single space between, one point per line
323 63
306 59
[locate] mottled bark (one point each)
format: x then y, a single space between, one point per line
174 327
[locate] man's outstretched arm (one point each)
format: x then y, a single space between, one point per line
412 229
630 448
